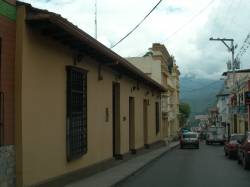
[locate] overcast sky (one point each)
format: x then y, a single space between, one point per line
198 19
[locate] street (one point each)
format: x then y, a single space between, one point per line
206 167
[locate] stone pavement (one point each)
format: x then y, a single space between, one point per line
115 175
7 166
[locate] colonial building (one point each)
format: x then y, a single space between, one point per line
240 107
223 109
77 102
160 66
238 85
7 60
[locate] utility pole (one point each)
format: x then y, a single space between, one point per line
231 49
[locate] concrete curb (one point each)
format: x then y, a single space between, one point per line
144 167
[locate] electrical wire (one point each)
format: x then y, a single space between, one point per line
175 32
244 47
246 42
191 20
123 38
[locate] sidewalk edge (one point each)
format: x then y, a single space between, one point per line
142 168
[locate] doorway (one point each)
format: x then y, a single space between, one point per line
132 124
246 126
116 119
145 122
235 123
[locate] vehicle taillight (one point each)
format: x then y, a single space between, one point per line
231 145
248 146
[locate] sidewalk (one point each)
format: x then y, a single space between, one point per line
113 176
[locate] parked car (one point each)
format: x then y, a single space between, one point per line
215 135
244 151
231 146
183 130
189 139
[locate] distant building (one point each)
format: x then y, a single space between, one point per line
237 85
149 66
213 116
201 117
230 76
160 66
223 102
203 120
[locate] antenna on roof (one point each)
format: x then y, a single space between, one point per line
96 19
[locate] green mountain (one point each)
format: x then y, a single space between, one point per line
199 93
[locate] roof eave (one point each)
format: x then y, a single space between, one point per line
53 18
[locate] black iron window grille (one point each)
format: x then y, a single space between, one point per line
76 112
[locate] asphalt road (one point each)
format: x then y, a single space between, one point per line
206 167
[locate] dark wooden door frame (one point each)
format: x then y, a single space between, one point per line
116 120
132 125
145 123
235 123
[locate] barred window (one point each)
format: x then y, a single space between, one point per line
76 112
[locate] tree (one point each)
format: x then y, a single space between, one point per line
185 111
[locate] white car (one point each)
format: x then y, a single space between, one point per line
189 139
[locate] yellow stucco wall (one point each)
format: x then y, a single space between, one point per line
241 124
41 109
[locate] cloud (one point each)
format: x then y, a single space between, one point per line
194 53
173 9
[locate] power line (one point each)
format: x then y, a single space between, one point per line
191 20
136 25
244 47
